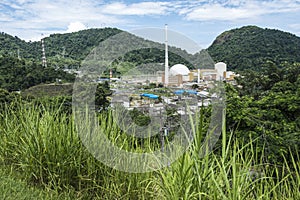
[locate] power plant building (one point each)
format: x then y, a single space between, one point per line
179 74
221 70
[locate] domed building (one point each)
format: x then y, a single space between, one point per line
179 73
179 69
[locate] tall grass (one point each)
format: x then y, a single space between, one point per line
235 173
42 144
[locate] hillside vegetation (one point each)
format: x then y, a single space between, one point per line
250 46
242 48
21 65
69 49
62 50
19 74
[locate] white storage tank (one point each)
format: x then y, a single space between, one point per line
221 68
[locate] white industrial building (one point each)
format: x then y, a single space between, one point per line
221 70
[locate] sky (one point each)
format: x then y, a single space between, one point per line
200 20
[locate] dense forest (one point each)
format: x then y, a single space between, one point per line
70 49
242 48
249 47
19 74
266 105
62 50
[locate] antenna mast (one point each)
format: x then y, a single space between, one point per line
44 60
166 57
18 52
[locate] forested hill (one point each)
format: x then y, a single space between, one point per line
243 48
250 46
10 45
61 49
69 49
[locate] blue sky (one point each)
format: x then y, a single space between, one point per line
200 20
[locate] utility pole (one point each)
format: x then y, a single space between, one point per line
44 60
18 54
166 57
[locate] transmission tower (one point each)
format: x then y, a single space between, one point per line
44 60
18 52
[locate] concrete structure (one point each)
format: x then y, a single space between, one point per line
180 74
229 75
176 80
221 70
140 78
208 74
160 77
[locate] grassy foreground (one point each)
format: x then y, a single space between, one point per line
13 187
40 145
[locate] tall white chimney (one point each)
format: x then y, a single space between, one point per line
166 57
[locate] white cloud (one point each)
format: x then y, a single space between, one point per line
66 11
230 10
75 26
29 18
143 8
218 12
295 28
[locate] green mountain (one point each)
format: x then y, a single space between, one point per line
9 46
69 49
244 48
62 50
250 46
20 61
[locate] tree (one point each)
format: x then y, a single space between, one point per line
21 74
101 96
139 118
267 107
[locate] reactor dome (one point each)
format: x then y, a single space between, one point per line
221 68
179 69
